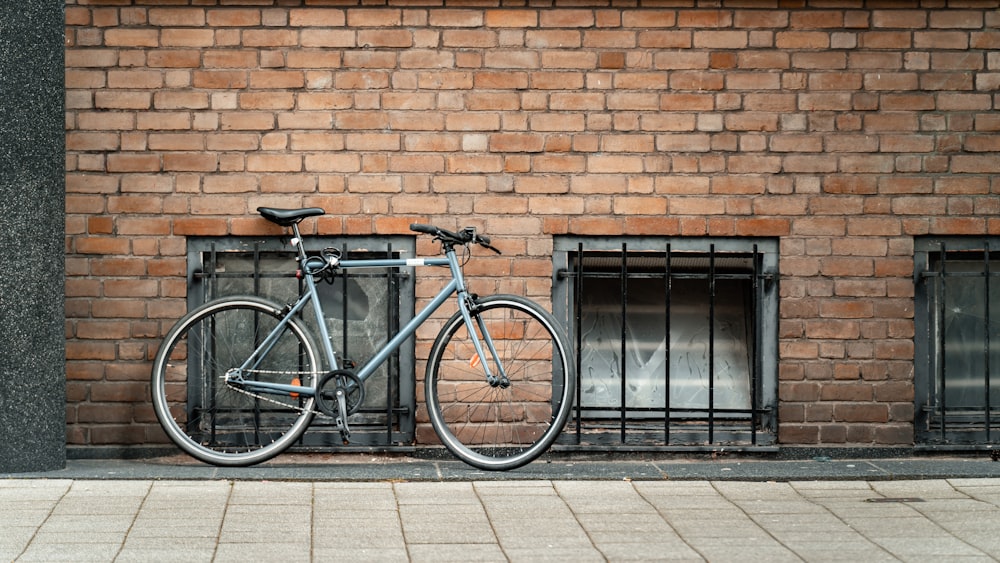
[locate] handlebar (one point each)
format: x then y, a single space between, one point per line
465 236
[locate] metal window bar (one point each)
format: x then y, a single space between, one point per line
624 342
946 420
718 422
942 364
711 344
667 286
986 341
755 379
388 425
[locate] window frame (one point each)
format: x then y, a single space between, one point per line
761 432
934 429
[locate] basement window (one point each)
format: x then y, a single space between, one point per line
363 307
675 339
957 342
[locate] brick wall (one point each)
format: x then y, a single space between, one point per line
843 130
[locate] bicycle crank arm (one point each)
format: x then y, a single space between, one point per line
345 431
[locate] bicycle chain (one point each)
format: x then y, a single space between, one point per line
264 398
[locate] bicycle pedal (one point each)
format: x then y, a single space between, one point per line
345 432
298 383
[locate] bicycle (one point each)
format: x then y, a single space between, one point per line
238 380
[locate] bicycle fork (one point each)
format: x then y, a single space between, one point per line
479 334
469 309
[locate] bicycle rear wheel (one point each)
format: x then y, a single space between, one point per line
497 427
215 421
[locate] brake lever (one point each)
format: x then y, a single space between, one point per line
486 244
481 240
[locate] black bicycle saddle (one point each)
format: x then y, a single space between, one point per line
288 217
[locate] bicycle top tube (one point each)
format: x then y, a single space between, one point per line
391 263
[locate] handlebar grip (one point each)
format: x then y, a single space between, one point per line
466 236
427 229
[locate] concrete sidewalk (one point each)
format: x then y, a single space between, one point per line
556 467
420 510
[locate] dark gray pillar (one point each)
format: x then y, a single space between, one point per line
32 232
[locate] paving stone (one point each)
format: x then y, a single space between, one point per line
457 552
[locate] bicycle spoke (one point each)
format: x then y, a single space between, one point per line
492 426
221 420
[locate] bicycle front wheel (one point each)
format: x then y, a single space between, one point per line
214 420
504 425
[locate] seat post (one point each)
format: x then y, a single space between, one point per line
297 242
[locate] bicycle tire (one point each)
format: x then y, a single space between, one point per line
492 427
210 419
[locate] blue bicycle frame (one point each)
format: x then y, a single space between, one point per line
456 285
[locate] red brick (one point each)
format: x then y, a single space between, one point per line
975 164
817 19
131 38
200 226
318 17
220 79
187 37
233 17
802 40
665 39
135 79
941 40
90 350
190 162
247 121
383 38
124 162
511 18
900 19
645 19
610 39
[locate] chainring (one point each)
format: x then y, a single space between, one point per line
330 383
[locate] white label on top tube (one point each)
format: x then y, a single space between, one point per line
414 261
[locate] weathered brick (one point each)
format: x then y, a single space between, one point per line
131 38
316 17
220 79
233 17
511 18
187 37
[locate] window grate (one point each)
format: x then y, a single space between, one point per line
363 307
675 341
957 372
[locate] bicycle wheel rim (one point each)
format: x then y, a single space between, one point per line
497 428
213 421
